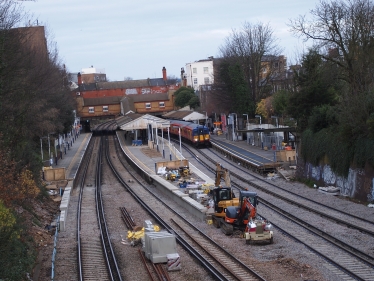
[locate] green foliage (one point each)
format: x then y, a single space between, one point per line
318 85
325 147
234 80
186 96
16 253
322 117
280 102
364 152
194 102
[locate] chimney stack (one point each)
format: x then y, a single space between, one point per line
164 73
79 78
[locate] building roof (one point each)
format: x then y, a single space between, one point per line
87 87
127 118
142 122
186 115
127 105
128 84
101 101
150 97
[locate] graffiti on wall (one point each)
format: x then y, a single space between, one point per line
131 91
348 186
145 91
371 194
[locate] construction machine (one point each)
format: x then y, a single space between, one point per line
223 197
244 218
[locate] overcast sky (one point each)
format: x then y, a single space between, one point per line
137 38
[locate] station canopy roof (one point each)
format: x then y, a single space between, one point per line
186 115
142 123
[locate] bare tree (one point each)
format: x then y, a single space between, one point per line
255 48
343 30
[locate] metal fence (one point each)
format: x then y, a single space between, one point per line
54 252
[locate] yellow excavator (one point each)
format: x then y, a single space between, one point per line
231 213
223 197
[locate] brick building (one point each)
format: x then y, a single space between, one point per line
110 99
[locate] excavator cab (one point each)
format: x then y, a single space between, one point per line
222 197
238 216
252 196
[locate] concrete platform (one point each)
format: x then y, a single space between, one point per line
72 158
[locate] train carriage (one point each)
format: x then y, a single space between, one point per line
197 134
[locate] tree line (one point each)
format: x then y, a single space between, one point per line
35 101
329 96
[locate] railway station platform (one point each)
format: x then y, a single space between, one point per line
72 155
147 157
242 147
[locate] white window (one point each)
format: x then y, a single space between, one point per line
91 109
206 80
205 70
194 70
147 105
195 81
161 104
105 108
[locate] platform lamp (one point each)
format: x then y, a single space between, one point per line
156 135
276 123
235 128
206 117
276 120
247 120
262 143
169 142
180 143
41 146
149 131
162 137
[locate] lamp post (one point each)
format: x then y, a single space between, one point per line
247 119
41 148
246 127
235 128
162 139
180 143
215 120
169 143
49 147
276 136
149 128
156 137
262 143
276 120
206 117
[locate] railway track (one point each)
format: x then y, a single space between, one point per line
346 266
352 264
220 263
96 260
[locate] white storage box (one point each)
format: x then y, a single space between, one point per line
158 245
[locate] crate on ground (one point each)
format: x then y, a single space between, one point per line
174 262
